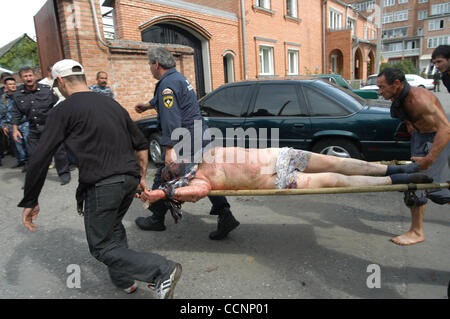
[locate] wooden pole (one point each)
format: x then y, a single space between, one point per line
329 190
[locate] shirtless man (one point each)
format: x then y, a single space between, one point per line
240 168
430 134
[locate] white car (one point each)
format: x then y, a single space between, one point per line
413 80
418 81
371 83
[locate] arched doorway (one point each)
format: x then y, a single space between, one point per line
358 64
172 34
336 62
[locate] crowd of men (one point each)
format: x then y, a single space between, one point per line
35 97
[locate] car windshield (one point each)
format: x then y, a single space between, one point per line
351 100
372 81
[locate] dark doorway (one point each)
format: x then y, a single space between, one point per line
171 34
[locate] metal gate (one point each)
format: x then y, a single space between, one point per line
171 34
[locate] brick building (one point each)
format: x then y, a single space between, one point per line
411 28
214 41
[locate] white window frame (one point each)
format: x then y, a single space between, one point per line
422 14
389 3
335 22
294 8
440 8
402 1
422 1
388 18
434 42
401 15
293 67
263 4
435 25
270 49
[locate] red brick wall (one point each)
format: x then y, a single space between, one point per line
125 62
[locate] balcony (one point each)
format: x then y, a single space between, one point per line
401 53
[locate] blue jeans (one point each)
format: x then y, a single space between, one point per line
21 147
106 203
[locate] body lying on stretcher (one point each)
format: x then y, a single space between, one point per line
235 168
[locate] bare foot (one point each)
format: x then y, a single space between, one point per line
410 238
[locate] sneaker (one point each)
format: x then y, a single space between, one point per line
166 286
226 223
131 289
148 223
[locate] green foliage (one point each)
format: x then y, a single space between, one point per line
24 53
406 65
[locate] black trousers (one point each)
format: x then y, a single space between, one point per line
61 158
106 203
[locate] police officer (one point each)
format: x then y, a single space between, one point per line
177 107
34 100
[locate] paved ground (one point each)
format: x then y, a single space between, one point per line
319 246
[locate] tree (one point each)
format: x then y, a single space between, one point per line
23 53
406 65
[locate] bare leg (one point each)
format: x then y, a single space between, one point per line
415 234
320 180
319 163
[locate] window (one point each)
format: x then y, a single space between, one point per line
228 102
440 8
351 25
321 105
422 14
411 45
364 6
291 8
388 18
277 100
265 60
419 31
423 1
435 25
402 1
366 33
434 42
395 33
393 47
401 15
389 3
335 20
293 62
373 35
263 4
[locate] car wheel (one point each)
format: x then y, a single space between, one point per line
337 147
421 86
154 148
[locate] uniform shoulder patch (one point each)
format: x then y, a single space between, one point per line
167 91
168 101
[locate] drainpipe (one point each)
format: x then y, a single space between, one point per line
324 22
244 40
97 27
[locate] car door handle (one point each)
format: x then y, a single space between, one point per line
301 125
235 124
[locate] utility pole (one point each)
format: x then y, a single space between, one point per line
379 36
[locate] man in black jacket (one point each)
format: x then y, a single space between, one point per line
112 156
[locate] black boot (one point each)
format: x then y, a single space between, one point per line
225 223
150 223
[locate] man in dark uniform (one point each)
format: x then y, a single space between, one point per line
177 106
35 100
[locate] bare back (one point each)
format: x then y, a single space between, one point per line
424 109
239 168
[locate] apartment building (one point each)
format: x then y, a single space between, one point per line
214 41
411 29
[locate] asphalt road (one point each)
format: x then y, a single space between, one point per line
317 246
